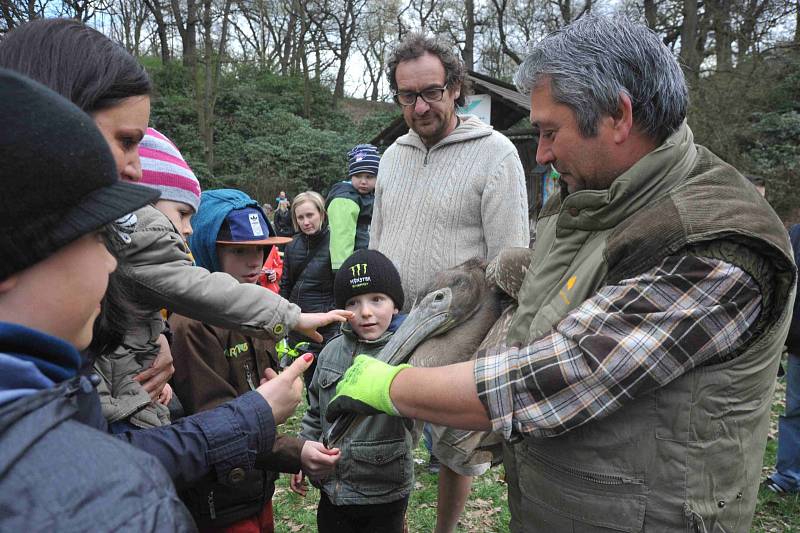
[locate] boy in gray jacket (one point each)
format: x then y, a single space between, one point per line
370 487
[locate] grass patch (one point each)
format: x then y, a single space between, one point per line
487 507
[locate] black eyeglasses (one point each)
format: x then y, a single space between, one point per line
407 98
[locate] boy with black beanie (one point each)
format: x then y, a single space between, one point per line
60 196
370 487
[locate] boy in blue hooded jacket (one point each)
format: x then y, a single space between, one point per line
214 365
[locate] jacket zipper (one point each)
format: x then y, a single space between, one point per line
211 510
249 375
307 261
593 477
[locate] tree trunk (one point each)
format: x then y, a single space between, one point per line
161 28
468 54
797 24
188 31
690 59
304 61
288 42
500 8
207 94
721 10
565 8
650 14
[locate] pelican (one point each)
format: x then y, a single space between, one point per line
465 309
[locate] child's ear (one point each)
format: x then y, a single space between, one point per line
396 310
9 283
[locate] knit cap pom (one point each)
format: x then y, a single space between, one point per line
164 168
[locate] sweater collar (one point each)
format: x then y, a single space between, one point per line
54 360
648 179
469 128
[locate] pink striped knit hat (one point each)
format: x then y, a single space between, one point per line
163 168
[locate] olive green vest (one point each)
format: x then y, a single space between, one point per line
685 457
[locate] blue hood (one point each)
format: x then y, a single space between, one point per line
214 207
31 361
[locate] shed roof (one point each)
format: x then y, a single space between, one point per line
501 89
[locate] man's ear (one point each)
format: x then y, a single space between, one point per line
9 283
622 122
455 91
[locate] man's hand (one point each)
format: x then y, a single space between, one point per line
154 378
283 391
364 389
309 322
317 461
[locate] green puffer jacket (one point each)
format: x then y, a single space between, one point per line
161 272
376 464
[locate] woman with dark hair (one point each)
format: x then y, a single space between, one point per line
93 72
76 61
106 82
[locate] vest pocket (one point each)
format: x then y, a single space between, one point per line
378 467
591 501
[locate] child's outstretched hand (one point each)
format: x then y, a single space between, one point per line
317 461
298 484
309 322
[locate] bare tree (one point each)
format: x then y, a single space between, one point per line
250 24
374 39
83 10
500 7
797 22
690 58
16 12
207 82
186 21
127 23
338 22
156 8
423 9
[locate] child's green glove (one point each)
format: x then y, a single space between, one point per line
364 389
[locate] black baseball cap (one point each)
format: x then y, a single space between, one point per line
58 178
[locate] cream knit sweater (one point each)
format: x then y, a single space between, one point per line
435 208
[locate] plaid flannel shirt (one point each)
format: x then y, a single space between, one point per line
626 340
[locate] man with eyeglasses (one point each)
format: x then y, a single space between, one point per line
449 190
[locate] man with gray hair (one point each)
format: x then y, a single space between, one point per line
450 190
635 383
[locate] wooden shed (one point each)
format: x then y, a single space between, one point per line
508 112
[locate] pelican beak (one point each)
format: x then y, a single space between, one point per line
431 317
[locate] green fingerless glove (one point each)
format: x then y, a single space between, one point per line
365 389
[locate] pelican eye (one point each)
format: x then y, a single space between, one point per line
439 297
